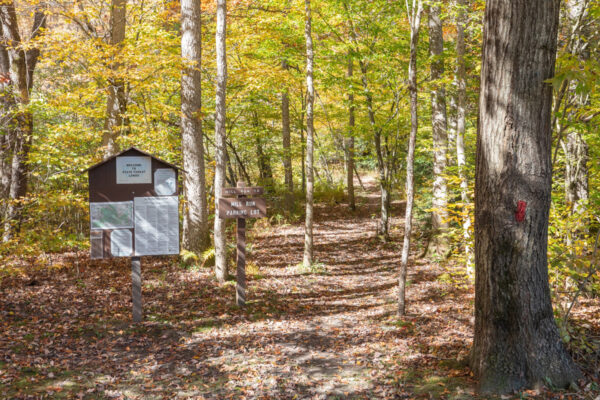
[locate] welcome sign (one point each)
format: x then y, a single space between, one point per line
134 170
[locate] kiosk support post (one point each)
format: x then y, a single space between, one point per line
136 288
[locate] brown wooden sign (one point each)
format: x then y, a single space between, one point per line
244 207
243 191
240 208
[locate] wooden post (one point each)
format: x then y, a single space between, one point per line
136 288
240 291
241 262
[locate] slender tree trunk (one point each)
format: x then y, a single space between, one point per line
415 25
195 216
438 245
264 163
575 146
116 103
461 100
220 141
350 139
286 140
576 174
20 122
6 123
383 226
516 342
302 142
310 99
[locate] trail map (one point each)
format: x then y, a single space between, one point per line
111 215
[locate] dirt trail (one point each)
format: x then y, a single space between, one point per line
329 332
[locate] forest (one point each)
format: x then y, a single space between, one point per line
413 187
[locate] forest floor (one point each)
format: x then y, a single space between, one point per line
329 332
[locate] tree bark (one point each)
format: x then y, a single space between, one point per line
461 101
516 342
310 99
438 244
195 213
350 138
415 25
116 105
220 140
286 140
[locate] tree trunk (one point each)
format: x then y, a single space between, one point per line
310 99
350 139
576 174
516 342
438 244
195 215
20 122
461 100
415 25
220 140
383 226
350 167
302 143
115 103
286 140
264 163
6 123
575 146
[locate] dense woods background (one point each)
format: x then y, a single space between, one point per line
82 79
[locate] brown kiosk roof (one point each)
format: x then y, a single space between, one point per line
134 149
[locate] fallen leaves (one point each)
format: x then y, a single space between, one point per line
302 335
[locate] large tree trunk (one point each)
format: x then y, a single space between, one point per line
220 141
116 105
350 139
21 65
438 243
195 215
461 101
310 99
286 141
516 342
415 25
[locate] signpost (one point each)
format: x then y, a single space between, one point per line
134 211
240 208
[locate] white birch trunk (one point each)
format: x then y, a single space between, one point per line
220 140
310 98
415 14
461 100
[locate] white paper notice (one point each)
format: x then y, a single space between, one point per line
156 225
134 170
111 215
121 243
96 245
164 181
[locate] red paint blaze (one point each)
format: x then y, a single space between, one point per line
520 213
